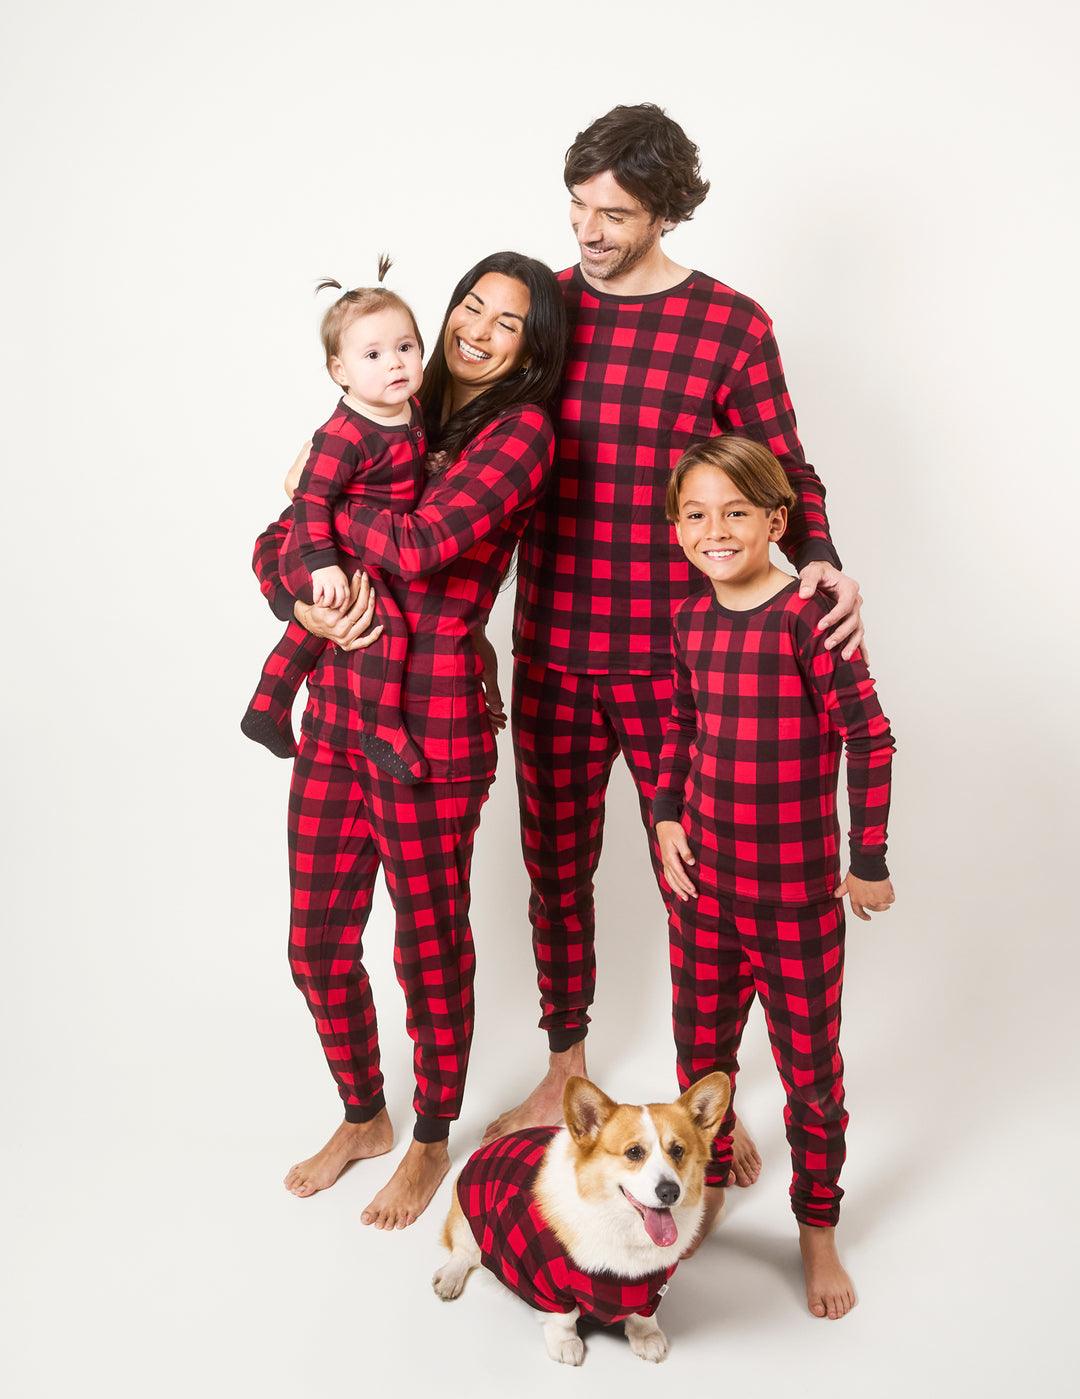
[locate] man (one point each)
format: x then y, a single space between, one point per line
660 356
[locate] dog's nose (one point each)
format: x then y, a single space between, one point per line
667 1192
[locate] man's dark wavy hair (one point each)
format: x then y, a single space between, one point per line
545 345
650 156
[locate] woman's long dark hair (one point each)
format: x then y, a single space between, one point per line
545 346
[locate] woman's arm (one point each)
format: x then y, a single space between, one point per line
501 472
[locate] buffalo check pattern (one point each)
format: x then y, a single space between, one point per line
567 731
516 1244
352 460
723 952
760 712
443 564
346 819
600 573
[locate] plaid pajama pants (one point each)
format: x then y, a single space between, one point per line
723 951
568 729
346 817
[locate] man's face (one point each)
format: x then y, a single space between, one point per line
613 230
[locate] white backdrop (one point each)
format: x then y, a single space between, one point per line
895 184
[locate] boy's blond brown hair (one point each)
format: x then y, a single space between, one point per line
360 301
751 467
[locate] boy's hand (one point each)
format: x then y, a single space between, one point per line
329 587
867 895
675 853
296 470
845 619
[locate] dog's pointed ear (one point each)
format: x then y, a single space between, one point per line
585 1109
706 1101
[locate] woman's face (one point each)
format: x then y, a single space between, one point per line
485 335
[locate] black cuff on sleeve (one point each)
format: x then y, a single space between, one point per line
868 862
281 605
816 551
666 806
319 558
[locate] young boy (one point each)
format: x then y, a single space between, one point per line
746 799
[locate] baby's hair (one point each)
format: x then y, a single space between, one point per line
751 467
360 301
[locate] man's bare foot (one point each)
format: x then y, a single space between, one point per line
714 1213
828 1288
353 1141
543 1106
407 1194
745 1161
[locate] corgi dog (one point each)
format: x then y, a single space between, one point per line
589 1219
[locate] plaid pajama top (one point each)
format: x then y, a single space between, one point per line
355 458
752 750
443 563
600 573
495 1194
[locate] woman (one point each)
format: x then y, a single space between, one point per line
498 360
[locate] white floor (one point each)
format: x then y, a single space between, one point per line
153 1252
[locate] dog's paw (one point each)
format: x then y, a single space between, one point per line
568 1351
450 1279
646 1339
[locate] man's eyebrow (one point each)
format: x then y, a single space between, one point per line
501 313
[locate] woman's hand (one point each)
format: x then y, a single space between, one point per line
489 679
346 627
293 478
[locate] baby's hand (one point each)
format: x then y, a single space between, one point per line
329 587
867 895
676 854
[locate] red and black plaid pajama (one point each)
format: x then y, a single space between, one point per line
352 461
444 563
600 573
760 712
346 818
568 730
723 952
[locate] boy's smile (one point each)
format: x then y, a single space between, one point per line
727 537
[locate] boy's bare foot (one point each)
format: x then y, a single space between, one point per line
353 1141
407 1194
745 1160
543 1106
828 1288
714 1213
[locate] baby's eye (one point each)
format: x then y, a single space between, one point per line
635 1153
405 347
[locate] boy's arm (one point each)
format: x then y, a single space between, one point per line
852 708
501 472
667 806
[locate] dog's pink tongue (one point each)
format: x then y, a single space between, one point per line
660 1227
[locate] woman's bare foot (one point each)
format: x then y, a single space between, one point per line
351 1142
828 1288
407 1194
714 1213
543 1106
745 1161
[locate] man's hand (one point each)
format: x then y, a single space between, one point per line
867 895
293 478
676 854
346 627
845 618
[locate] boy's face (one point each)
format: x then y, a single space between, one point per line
379 361
721 533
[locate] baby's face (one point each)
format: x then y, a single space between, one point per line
379 361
